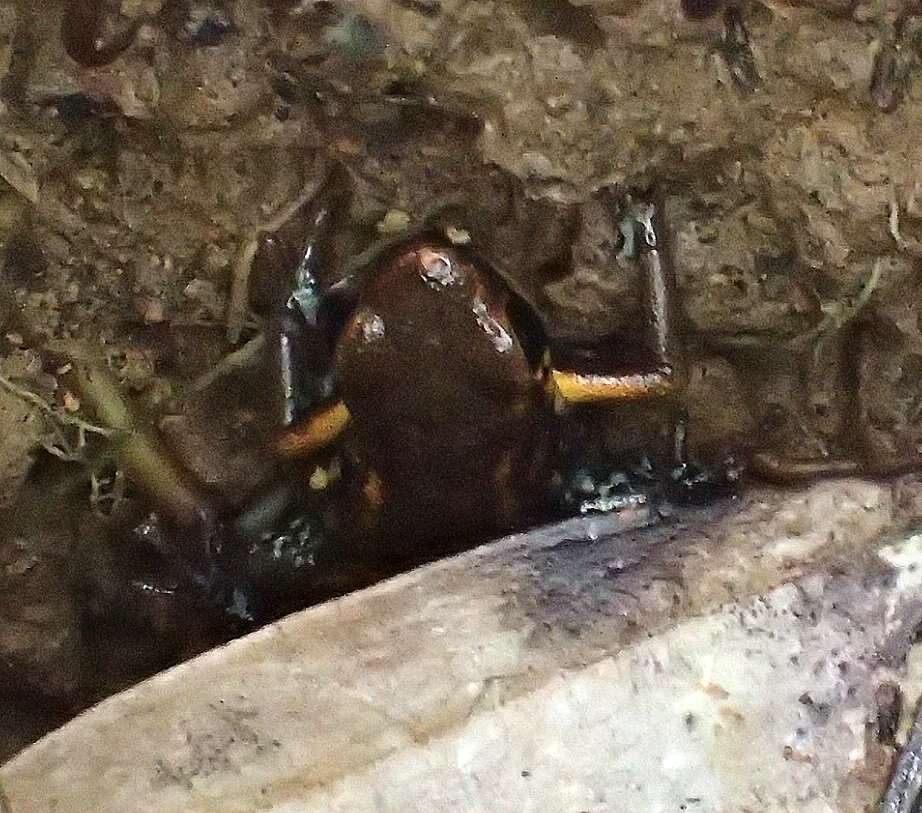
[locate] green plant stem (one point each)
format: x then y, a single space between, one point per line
138 450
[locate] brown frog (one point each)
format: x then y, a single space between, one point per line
422 409
434 378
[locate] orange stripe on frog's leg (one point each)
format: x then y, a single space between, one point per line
315 432
576 388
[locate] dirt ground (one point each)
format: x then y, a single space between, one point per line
144 144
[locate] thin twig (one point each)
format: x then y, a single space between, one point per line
910 245
382 246
893 221
238 304
239 298
318 178
231 362
68 449
19 174
139 451
55 414
108 489
838 314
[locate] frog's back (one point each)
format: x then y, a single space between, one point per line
442 392
430 344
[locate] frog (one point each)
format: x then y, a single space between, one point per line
430 373
422 404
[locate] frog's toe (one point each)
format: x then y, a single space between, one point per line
600 490
694 483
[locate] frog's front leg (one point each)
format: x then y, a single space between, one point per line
314 299
309 410
688 481
305 311
662 378
294 262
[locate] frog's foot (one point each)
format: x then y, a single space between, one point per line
305 540
600 489
284 556
694 483
250 575
215 580
149 578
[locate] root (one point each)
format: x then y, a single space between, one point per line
238 304
841 313
778 469
69 431
242 357
138 451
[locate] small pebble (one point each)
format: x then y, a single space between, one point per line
150 309
459 237
394 222
319 479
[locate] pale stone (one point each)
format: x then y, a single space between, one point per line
725 661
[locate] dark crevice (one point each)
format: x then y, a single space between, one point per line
562 19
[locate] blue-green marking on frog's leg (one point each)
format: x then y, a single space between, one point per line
300 334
